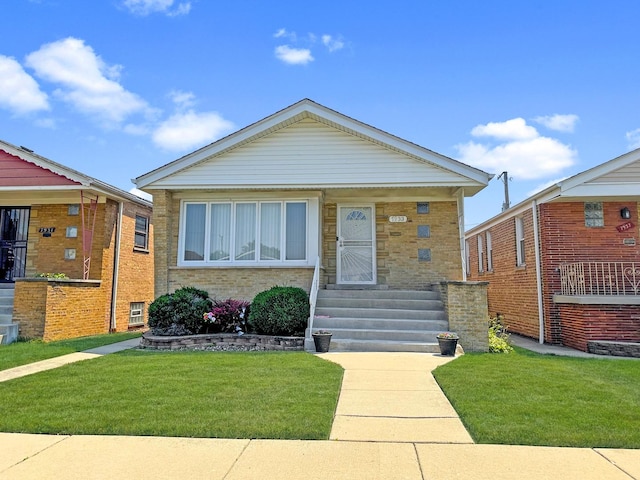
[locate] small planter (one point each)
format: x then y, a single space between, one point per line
322 340
448 343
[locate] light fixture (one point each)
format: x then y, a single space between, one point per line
625 213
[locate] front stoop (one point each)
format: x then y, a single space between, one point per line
380 320
8 329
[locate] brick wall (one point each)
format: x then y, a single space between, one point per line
582 323
238 283
55 310
164 210
512 289
466 306
398 244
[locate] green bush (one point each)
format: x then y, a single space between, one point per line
280 311
498 336
179 313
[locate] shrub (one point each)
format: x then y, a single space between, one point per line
179 313
229 316
280 311
498 336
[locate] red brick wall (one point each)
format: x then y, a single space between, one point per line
581 323
564 238
512 289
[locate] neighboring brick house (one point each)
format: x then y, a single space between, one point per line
308 184
563 266
56 220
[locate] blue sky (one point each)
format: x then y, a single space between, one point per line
116 88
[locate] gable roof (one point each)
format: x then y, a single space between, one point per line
30 171
296 139
618 178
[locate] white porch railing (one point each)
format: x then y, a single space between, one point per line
600 278
313 295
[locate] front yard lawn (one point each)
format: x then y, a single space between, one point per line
21 353
290 395
524 398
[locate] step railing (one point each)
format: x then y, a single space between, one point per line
313 295
600 278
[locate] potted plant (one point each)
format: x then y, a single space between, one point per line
448 342
322 340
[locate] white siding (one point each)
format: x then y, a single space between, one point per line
310 153
628 174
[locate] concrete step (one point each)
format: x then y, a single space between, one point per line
420 336
340 345
329 323
9 333
381 294
381 313
6 309
6 318
380 303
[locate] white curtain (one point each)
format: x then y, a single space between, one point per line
220 235
270 230
245 244
195 221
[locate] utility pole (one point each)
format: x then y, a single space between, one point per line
505 180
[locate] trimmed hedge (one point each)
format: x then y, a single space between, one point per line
280 311
180 312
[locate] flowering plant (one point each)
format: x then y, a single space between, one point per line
449 335
229 316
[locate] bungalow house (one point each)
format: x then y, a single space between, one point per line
563 266
55 220
309 193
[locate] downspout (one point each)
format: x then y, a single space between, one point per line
116 269
463 253
536 241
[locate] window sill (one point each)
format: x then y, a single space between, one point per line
236 265
140 250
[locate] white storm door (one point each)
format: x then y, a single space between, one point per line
356 250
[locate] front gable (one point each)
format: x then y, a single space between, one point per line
307 146
17 172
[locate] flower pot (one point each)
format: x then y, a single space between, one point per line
448 346
322 342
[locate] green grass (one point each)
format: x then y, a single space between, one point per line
23 352
524 398
290 395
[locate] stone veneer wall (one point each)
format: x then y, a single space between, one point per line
248 341
467 309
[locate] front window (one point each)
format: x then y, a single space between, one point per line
243 233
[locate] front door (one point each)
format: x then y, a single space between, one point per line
356 252
14 226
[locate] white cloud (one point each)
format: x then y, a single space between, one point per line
293 56
147 7
633 137
85 80
19 92
522 151
544 186
284 33
331 43
560 123
187 130
182 99
514 129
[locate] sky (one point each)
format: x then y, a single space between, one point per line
542 89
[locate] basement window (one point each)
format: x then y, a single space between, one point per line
136 314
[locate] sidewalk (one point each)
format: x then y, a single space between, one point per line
392 422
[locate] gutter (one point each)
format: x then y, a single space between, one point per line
116 268
536 241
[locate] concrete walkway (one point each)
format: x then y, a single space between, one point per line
392 422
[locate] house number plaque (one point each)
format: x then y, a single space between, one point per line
397 218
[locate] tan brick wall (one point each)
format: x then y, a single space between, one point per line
163 213
466 306
55 310
398 244
239 283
